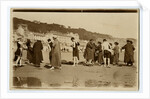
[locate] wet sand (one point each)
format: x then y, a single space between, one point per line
80 77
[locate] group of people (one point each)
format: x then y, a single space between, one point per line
102 53
54 53
34 54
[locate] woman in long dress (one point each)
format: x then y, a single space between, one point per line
37 53
100 54
95 51
89 52
75 51
29 51
129 53
56 54
116 54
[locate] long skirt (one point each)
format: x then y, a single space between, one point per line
100 58
128 57
89 54
41 56
116 58
30 56
56 60
111 59
37 57
50 57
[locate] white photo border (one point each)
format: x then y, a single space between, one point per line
144 50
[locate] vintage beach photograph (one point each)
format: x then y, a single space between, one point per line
74 49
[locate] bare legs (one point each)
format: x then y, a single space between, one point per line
18 61
75 61
106 62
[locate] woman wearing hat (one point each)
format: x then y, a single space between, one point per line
56 54
89 52
100 54
29 51
37 53
116 54
129 53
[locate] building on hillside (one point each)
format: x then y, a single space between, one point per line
65 39
75 35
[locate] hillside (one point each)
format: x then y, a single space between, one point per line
40 27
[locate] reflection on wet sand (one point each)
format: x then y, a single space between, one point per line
32 82
80 77
95 83
26 82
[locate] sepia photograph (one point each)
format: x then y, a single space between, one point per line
74 49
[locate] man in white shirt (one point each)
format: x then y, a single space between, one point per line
107 53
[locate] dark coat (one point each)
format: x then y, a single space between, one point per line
37 52
29 52
89 51
129 53
100 54
50 53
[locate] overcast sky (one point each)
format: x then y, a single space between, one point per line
122 25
